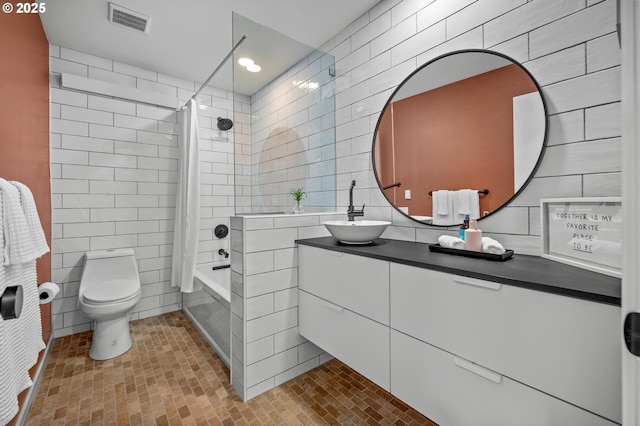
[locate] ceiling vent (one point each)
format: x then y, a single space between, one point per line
129 18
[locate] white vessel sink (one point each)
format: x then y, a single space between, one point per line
356 232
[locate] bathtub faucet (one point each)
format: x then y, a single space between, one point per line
223 252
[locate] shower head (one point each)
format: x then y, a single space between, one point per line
224 123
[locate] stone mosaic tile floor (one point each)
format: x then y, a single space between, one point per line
171 376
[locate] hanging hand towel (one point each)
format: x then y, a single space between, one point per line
33 220
8 394
463 201
29 338
18 244
25 332
466 202
442 207
21 338
441 203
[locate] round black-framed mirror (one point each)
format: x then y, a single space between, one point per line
467 120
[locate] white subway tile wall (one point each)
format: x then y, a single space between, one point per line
292 141
580 77
266 348
114 172
570 47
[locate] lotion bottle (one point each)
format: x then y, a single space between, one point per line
473 237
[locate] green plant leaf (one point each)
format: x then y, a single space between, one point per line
298 194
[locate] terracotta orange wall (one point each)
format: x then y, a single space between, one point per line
468 126
24 121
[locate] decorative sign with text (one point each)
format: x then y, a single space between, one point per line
583 232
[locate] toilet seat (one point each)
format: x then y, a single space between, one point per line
114 291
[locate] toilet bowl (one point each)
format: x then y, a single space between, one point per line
109 290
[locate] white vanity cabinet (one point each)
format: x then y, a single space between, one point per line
549 347
343 308
454 391
460 350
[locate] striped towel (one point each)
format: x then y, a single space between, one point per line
23 234
20 338
33 220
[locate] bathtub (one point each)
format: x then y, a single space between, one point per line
209 308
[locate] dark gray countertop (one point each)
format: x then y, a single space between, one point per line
532 272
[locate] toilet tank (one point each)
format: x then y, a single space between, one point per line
106 265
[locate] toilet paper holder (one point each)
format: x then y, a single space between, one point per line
12 299
11 302
47 291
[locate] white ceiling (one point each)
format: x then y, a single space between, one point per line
189 38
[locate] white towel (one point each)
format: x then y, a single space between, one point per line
27 329
489 245
8 395
466 202
450 241
33 220
463 199
25 332
21 338
18 245
442 207
440 201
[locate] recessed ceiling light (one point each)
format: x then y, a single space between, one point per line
254 68
245 62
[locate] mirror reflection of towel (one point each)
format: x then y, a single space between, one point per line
466 202
442 207
441 202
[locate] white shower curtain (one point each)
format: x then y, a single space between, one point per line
187 221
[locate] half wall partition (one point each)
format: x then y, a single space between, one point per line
284 138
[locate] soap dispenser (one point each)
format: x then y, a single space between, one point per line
473 237
464 227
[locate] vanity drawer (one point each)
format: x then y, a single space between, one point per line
567 347
453 391
357 283
359 342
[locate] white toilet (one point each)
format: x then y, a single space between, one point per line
109 289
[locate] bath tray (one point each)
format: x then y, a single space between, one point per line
468 253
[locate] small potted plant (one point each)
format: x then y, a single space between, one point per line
298 195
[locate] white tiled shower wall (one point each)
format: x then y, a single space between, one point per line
571 49
569 46
114 172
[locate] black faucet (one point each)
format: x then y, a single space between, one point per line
351 211
223 252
